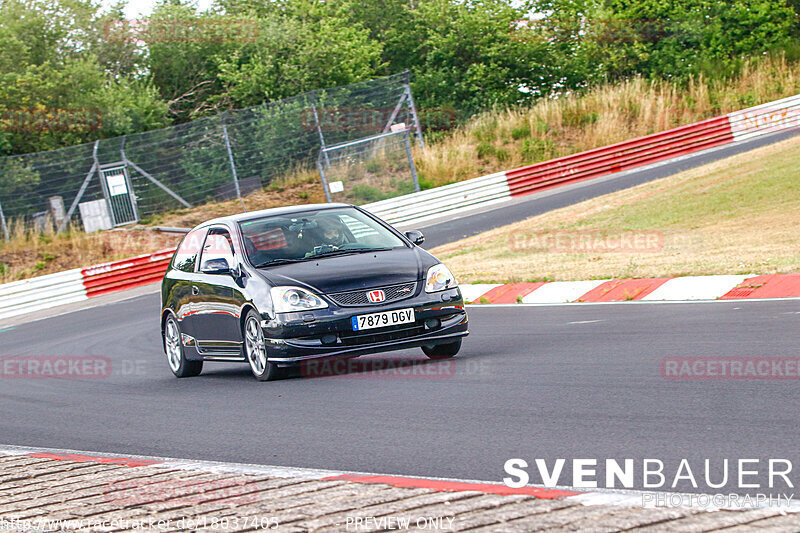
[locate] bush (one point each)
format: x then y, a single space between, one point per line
521 132
534 150
486 150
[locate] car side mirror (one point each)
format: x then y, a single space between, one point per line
415 236
216 266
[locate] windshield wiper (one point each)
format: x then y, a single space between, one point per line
321 254
280 262
347 251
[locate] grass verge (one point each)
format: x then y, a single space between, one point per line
30 253
493 141
736 216
509 138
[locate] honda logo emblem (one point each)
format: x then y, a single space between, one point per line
376 296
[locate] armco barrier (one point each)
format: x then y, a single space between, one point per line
765 118
126 274
421 206
66 287
619 157
495 188
26 296
20 297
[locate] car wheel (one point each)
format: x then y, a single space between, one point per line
255 349
173 347
442 351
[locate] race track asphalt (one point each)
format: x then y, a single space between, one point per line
580 381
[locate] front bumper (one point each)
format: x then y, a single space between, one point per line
295 337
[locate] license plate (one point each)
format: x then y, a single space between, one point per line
379 320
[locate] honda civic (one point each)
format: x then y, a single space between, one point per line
277 287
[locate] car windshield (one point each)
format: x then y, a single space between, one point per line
313 234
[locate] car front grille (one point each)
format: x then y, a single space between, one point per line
393 293
396 333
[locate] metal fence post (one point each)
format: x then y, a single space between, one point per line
82 190
324 180
104 186
414 111
322 147
233 165
128 180
395 112
411 162
3 220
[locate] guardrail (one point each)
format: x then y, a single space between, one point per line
420 206
619 157
36 294
26 296
495 188
126 274
51 290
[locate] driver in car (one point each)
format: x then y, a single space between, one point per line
330 235
332 231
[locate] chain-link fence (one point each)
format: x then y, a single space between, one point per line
369 169
120 180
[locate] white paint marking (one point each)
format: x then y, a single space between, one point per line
696 287
643 302
561 291
473 292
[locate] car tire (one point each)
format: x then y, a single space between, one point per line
255 350
442 351
176 357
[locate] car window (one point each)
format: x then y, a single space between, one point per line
311 234
186 257
218 245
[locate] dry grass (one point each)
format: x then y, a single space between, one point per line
510 138
736 216
491 142
295 191
31 253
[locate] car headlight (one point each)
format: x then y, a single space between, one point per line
439 279
289 299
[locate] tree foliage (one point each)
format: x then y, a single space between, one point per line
60 59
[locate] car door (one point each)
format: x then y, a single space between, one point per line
182 277
217 319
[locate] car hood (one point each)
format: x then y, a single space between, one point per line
353 272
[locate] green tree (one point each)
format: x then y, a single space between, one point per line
54 91
614 39
472 55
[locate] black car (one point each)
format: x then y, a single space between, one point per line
278 287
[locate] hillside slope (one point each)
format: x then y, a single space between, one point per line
736 216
